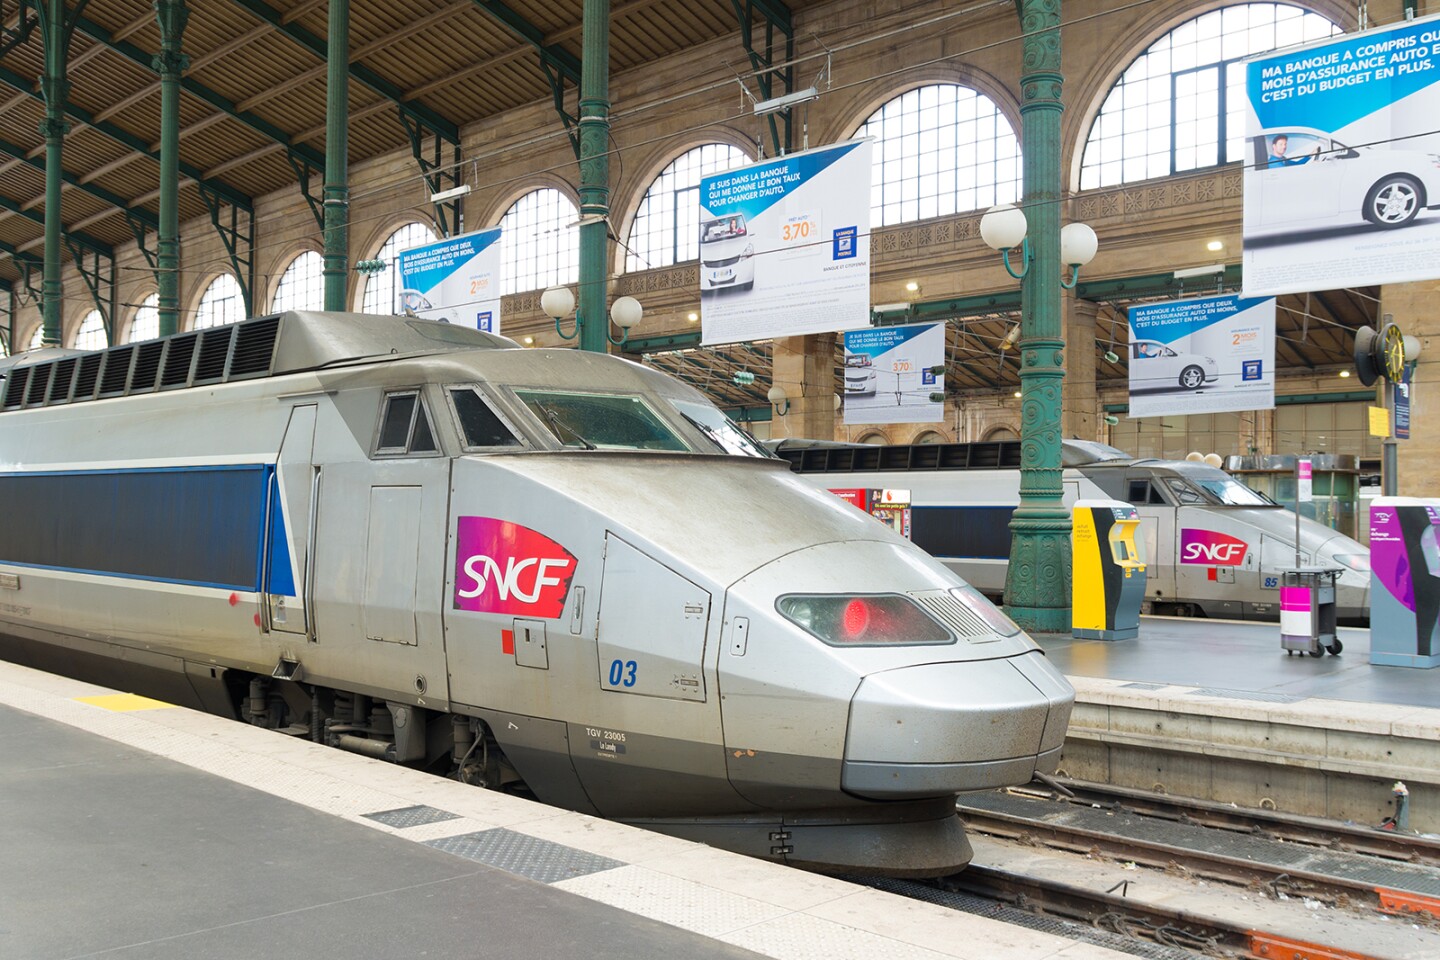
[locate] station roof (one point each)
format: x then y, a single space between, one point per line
253 119
253 102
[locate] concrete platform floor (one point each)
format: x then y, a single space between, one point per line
1232 655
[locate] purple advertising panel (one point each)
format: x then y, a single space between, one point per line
1389 565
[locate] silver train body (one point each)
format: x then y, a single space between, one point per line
1212 546
539 570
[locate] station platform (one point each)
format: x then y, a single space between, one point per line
1216 710
1243 657
136 829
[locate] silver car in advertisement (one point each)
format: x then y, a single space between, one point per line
727 255
1158 366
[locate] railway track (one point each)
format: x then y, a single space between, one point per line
1321 866
1356 838
1357 874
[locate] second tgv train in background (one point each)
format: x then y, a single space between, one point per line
1214 547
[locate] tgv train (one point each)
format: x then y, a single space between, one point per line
1212 545
521 567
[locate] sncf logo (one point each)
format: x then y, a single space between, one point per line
1211 548
502 567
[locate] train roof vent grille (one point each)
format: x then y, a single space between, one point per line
116 372
177 361
951 611
214 350
147 366
39 381
15 383
254 348
64 374
89 375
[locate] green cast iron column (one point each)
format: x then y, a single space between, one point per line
1037 582
170 63
595 176
53 128
337 152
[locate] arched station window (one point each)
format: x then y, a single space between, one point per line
539 246
1181 105
939 150
302 285
146 325
91 335
220 304
382 290
37 340
666 229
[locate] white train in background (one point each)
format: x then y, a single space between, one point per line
1214 547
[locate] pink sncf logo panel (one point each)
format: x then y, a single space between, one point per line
502 567
1211 549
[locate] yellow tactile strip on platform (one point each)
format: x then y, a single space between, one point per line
125 702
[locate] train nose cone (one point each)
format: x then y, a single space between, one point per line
943 728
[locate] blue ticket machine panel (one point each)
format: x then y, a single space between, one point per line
1404 582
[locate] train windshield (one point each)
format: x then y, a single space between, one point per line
600 421
720 429
1230 492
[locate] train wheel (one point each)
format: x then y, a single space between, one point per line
1335 647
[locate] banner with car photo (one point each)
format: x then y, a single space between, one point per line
456 280
1211 355
1342 172
895 374
785 246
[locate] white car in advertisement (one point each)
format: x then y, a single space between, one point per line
859 374
727 255
1306 176
1153 363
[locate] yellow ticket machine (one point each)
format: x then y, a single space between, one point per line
1108 571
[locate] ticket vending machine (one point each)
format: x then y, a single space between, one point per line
1108 571
1404 582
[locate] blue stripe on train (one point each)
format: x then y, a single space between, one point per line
198 525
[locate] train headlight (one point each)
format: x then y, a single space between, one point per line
1359 562
849 621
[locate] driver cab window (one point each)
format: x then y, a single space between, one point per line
479 424
1184 492
600 420
1143 493
404 426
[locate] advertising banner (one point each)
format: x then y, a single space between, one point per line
456 280
1210 355
1304 481
889 374
785 246
1341 164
